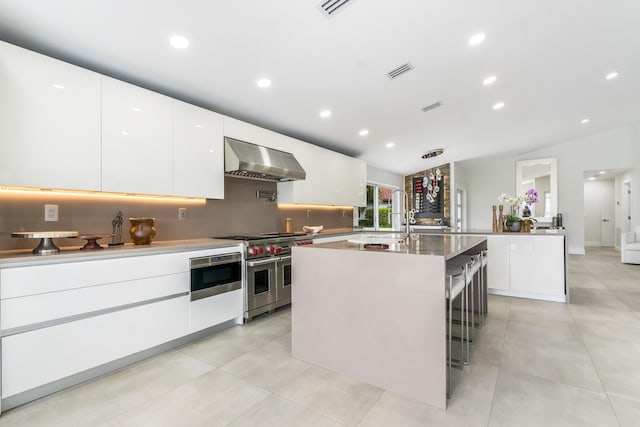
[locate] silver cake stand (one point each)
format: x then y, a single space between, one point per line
46 246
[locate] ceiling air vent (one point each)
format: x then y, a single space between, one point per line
329 7
432 106
403 69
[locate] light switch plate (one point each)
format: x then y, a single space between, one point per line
51 212
182 214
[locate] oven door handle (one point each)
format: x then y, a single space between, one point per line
285 258
261 262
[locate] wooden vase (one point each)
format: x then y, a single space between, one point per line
494 221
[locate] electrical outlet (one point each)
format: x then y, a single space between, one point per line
51 212
182 214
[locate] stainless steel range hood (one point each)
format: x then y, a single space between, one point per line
245 160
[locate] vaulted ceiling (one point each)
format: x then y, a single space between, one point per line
550 61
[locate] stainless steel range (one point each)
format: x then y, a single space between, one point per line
268 270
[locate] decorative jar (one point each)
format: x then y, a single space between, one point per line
142 230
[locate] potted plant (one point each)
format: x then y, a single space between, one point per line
513 222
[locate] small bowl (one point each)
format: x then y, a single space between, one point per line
315 229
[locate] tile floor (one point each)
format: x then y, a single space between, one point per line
534 364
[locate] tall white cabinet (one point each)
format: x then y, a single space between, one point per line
136 139
49 122
198 152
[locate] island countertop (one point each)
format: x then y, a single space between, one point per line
447 246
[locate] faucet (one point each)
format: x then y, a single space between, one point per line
406 208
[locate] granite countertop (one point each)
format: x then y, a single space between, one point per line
447 246
24 257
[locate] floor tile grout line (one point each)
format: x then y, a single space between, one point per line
371 408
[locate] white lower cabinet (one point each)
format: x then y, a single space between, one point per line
35 358
529 266
63 319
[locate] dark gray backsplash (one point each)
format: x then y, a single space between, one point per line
240 212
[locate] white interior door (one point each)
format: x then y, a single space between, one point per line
599 207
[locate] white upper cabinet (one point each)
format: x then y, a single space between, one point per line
49 122
137 155
244 131
332 178
198 152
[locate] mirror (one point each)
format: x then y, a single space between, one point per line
541 175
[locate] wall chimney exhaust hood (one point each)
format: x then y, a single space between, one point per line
245 160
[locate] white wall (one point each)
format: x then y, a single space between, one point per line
615 149
379 176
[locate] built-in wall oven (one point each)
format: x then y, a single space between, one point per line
215 274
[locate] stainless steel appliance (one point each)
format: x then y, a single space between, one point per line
246 160
268 270
215 274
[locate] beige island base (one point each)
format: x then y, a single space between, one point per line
378 316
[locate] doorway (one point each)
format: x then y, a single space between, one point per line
599 212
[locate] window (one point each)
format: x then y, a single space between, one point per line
379 210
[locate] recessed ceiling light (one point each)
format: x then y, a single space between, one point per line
263 83
324 114
489 80
137 109
179 42
390 144
476 39
199 126
612 75
125 133
363 132
602 172
585 120
592 178
498 105
58 86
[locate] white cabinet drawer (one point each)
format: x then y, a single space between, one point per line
16 312
38 357
214 310
22 281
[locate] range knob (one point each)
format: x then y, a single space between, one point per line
260 250
252 250
274 249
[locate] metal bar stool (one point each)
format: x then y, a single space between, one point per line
455 286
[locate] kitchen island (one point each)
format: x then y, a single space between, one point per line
377 315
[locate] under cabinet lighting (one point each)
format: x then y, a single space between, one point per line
323 207
39 192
